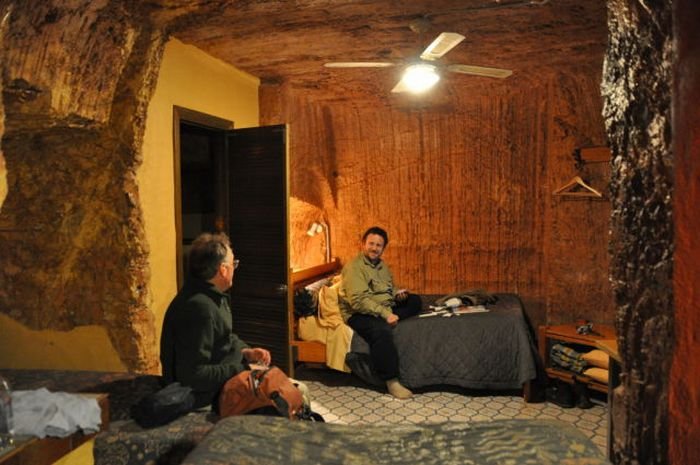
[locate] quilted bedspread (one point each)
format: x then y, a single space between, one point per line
491 350
274 441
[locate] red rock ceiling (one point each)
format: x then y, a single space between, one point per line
288 42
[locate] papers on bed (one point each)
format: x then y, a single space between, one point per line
445 311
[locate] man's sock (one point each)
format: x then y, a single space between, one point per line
397 390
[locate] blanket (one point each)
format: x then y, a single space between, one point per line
272 441
486 350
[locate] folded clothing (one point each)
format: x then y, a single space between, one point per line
598 374
44 413
597 358
568 358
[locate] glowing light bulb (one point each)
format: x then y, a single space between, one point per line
420 77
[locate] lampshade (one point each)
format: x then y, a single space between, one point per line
317 227
420 77
314 229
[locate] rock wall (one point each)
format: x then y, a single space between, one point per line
464 186
637 90
77 78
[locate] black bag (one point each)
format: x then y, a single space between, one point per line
305 303
163 406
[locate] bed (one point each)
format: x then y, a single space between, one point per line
487 350
273 441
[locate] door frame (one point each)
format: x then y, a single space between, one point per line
182 114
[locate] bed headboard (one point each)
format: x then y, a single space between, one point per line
301 278
308 351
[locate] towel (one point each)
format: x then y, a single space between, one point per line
44 413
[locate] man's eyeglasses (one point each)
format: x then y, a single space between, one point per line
234 264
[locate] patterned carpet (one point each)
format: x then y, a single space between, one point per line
344 399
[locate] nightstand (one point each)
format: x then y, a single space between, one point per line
550 335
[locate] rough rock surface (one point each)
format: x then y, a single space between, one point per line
637 91
77 81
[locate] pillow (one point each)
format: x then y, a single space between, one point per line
597 358
598 374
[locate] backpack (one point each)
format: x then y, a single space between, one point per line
256 389
163 406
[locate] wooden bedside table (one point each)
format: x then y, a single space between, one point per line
550 335
609 346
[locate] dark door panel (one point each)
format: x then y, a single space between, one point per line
258 219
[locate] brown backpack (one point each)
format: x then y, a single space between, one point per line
253 389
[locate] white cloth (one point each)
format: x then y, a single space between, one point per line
43 413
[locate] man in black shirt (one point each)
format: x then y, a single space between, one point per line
198 347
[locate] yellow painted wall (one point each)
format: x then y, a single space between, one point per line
191 79
79 456
86 348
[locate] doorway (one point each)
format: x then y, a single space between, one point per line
201 184
236 181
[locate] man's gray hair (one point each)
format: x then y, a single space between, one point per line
208 252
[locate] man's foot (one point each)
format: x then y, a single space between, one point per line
397 390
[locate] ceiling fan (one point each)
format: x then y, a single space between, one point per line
421 74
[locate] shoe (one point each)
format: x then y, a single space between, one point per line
561 394
397 390
583 399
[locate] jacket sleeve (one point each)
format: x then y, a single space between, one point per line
360 296
235 356
197 335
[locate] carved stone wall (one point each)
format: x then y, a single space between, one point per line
77 78
464 186
637 91
3 168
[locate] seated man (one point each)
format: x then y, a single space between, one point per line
198 347
372 307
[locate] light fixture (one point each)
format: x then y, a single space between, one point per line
314 229
420 77
317 227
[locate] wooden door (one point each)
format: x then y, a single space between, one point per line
258 223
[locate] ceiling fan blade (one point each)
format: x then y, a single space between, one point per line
445 42
400 87
480 71
358 64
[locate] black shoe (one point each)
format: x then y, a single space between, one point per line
537 394
561 394
583 399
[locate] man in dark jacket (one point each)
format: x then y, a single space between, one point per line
198 347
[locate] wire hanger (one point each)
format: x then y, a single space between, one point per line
577 182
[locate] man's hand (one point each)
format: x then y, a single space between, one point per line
258 356
401 295
392 319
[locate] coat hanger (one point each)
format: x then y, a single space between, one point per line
577 182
